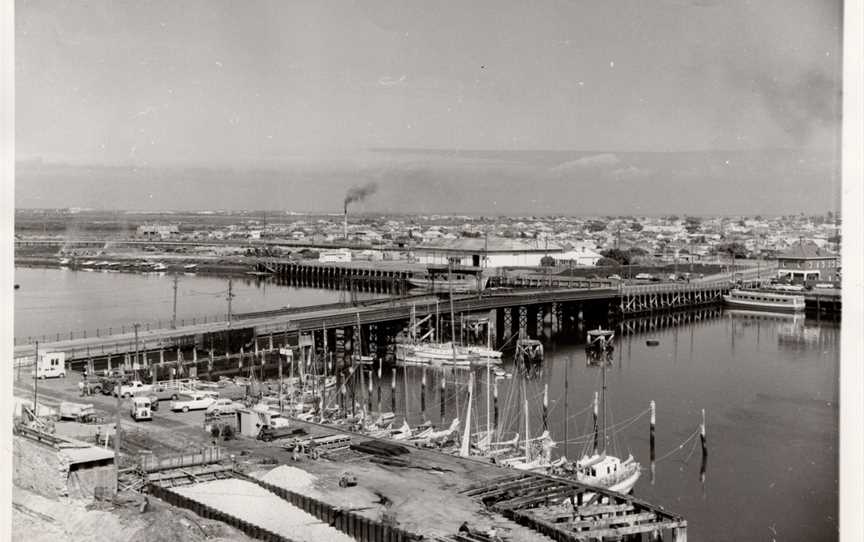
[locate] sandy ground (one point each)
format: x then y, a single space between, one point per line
39 519
258 506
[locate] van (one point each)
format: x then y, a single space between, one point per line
141 408
51 365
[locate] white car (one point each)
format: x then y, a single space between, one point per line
134 387
195 401
223 406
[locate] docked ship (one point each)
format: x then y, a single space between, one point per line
457 284
445 353
425 349
764 301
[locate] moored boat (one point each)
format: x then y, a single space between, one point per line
764 301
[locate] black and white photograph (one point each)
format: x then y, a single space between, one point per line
407 270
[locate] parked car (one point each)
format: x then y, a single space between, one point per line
164 393
133 387
223 406
195 401
644 276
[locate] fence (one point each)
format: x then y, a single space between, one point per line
208 512
116 331
206 456
351 523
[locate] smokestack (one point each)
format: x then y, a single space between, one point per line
356 193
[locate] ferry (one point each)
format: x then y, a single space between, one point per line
458 284
764 301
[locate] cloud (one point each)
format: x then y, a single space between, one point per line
388 81
630 172
593 161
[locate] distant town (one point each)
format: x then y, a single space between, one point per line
492 242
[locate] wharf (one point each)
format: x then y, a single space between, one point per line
432 493
421 491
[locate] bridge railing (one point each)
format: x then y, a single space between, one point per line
673 287
116 331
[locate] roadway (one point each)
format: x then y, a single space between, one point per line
303 320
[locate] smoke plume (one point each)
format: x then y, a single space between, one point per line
359 193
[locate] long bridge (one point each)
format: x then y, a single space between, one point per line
374 324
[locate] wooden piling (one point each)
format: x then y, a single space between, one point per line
393 390
369 394
704 439
443 388
653 455
596 426
423 392
495 403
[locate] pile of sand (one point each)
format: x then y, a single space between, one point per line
290 478
260 507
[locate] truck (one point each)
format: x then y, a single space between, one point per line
141 408
77 411
269 433
132 387
51 365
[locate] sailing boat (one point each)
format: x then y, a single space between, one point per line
537 451
422 351
601 469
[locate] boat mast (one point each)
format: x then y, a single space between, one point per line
603 398
466 437
452 316
566 410
525 412
488 402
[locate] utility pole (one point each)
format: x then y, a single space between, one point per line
36 381
136 326
230 297
118 404
174 314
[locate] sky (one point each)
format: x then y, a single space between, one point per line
620 106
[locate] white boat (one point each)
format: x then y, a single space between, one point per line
190 267
436 436
456 285
600 469
88 263
159 266
608 472
64 261
766 301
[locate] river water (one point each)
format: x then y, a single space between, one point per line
768 385
52 301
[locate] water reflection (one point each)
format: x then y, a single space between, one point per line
794 332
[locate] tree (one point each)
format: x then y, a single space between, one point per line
607 262
620 256
547 261
692 224
636 226
596 225
734 249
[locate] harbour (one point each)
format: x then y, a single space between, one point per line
748 353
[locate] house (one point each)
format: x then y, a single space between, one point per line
582 256
805 261
338 255
486 252
152 231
